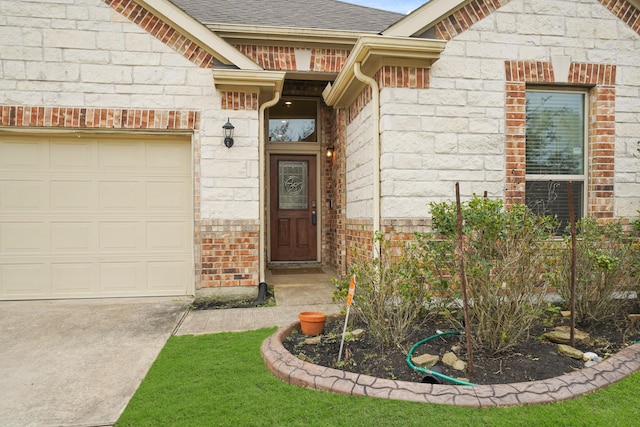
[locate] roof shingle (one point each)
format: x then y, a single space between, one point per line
315 14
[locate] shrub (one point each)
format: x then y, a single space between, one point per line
392 290
506 254
606 268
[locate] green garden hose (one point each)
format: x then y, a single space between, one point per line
429 372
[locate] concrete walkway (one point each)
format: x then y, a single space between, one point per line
293 293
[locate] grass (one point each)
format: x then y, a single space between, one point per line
221 380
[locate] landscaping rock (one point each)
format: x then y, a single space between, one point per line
460 365
567 350
561 335
425 361
591 359
449 359
304 358
313 340
565 313
452 361
355 334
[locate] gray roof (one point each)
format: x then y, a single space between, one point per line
317 14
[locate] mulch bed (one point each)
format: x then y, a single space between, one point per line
534 359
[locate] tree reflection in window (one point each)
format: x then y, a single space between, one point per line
294 120
291 130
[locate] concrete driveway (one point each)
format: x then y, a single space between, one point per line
78 362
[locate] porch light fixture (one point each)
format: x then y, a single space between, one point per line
330 151
228 134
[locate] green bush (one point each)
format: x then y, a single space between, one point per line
606 268
506 254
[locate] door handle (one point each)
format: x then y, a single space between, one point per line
314 218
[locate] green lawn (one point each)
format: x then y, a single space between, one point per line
220 380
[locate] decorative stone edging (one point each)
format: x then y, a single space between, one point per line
290 369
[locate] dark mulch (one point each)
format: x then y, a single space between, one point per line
217 304
535 359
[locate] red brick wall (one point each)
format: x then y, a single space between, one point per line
239 100
282 58
98 118
600 79
358 237
162 31
229 253
465 17
391 77
625 11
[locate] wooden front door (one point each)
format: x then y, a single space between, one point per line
294 213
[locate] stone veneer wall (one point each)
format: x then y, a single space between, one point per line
467 122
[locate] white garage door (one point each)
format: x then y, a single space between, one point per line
86 216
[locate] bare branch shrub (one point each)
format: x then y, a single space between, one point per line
606 269
393 290
506 254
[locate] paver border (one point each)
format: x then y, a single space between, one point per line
292 370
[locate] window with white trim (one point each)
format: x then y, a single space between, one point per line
556 152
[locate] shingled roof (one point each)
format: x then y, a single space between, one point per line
316 14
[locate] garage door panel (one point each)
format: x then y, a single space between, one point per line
24 280
72 278
122 278
121 195
119 156
18 155
71 195
28 238
166 158
75 237
165 275
22 195
166 236
95 217
166 196
74 157
120 236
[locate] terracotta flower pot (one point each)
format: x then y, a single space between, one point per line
312 322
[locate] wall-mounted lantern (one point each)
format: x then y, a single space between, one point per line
330 151
228 134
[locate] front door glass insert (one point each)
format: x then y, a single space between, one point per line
293 186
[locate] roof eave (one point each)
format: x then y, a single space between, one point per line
265 83
290 36
374 52
212 43
423 18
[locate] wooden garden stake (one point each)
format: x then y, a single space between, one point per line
572 283
463 282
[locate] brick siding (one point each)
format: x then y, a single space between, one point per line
600 78
229 253
162 31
